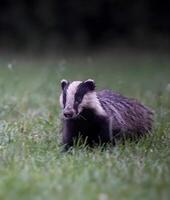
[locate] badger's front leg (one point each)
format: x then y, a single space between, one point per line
70 133
105 131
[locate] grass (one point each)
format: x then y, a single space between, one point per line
31 165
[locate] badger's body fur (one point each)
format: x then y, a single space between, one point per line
100 117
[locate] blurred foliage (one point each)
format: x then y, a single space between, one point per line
53 23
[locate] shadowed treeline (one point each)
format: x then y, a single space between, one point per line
41 24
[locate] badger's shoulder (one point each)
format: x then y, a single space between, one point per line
110 101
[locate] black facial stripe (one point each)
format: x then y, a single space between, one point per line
65 95
81 91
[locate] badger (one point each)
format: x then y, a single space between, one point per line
100 117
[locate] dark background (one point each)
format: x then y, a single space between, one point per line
45 25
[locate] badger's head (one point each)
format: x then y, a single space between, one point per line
78 95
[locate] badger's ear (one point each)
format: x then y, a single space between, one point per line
64 83
90 84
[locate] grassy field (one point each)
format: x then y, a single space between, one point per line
31 165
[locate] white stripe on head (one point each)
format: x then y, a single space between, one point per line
90 100
71 91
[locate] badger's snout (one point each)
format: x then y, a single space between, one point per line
68 113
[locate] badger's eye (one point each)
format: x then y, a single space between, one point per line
76 102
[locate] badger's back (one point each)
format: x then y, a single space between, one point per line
126 114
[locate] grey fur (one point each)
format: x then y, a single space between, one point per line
128 115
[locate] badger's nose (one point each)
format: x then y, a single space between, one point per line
68 114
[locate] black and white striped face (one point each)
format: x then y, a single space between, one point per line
78 95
